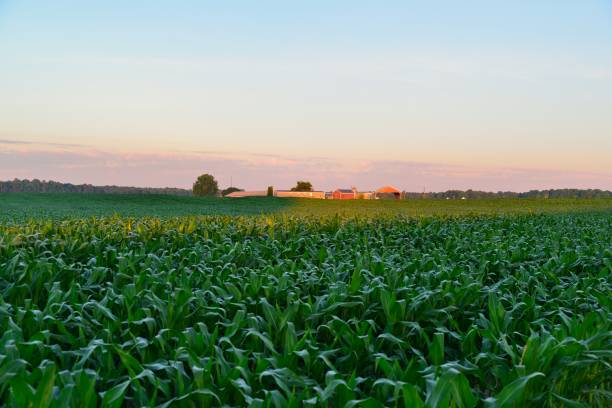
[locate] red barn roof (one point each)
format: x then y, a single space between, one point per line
388 189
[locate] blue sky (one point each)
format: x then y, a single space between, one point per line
436 94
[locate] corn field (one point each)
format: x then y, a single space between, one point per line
297 310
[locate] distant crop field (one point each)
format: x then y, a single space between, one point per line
19 207
147 301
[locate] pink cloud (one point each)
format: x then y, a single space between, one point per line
256 171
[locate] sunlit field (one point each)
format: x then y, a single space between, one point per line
23 206
179 301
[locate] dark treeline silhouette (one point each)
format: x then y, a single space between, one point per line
555 193
38 186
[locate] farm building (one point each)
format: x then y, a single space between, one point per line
300 194
344 194
279 193
388 192
240 194
365 195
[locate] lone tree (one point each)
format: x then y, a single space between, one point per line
303 186
205 185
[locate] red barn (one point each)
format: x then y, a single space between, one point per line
345 194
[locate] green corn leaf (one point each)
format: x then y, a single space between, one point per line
436 349
113 398
511 392
44 396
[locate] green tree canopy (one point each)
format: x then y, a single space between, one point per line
303 186
205 185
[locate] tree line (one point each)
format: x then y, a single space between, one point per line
43 186
552 193
207 185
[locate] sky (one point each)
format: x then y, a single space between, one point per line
423 95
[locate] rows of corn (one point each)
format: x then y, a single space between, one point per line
288 311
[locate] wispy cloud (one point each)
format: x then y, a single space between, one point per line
255 171
40 143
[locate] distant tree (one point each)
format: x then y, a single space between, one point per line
205 185
230 190
270 192
303 186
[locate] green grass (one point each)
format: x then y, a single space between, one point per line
19 207
496 303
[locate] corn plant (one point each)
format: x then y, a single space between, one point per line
285 310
